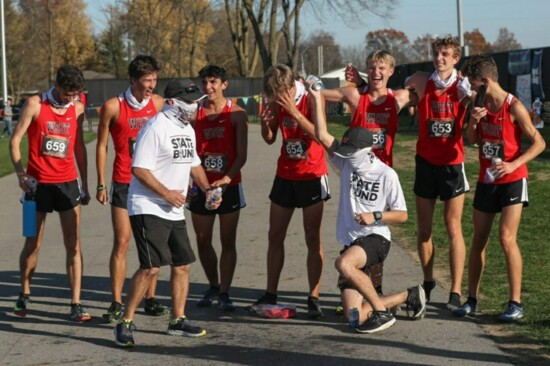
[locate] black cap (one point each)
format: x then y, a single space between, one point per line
355 138
182 88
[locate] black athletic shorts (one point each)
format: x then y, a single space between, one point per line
57 196
299 193
161 242
119 195
492 198
232 200
443 181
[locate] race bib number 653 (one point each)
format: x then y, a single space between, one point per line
440 128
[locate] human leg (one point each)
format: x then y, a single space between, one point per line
70 225
279 219
203 226
228 257
117 263
508 229
424 218
457 248
312 218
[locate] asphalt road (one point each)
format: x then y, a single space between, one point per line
48 337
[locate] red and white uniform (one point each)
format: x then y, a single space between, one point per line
51 145
217 143
301 158
500 138
124 133
441 117
381 120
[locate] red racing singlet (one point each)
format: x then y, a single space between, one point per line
301 157
440 121
381 120
52 138
124 133
217 143
500 138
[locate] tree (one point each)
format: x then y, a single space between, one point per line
506 41
112 56
391 40
356 55
421 49
331 53
476 43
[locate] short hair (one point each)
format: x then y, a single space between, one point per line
277 79
142 65
446 42
480 67
381 56
213 71
70 78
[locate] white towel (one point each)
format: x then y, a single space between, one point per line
442 84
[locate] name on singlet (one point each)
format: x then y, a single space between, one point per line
182 147
137 122
58 127
214 132
289 122
442 107
491 129
378 118
365 190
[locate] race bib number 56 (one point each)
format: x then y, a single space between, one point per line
55 146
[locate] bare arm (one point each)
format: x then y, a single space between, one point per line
388 217
270 123
321 132
476 115
30 112
80 153
108 116
286 100
417 82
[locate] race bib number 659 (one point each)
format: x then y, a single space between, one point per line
55 146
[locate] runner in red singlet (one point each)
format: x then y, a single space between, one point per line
123 116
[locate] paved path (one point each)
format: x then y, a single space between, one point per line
47 336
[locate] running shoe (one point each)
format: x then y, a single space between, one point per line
124 336
454 301
379 320
182 327
416 302
513 312
428 287
225 303
209 296
114 313
468 308
78 314
339 310
20 308
313 308
154 308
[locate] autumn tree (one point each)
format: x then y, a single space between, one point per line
506 41
421 48
391 40
112 56
477 45
331 53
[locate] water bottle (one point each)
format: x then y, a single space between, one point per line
316 83
353 317
537 104
491 172
215 195
29 210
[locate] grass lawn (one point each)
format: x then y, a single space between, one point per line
533 239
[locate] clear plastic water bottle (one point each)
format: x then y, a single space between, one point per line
353 317
215 196
537 105
29 210
316 83
491 172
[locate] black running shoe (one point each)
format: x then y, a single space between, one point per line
379 320
114 313
313 308
225 303
416 302
154 308
428 287
78 314
454 301
182 327
209 296
123 331
20 308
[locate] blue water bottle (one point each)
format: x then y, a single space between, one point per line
29 211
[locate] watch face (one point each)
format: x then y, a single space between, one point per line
377 215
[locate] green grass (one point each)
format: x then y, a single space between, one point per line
532 238
6 167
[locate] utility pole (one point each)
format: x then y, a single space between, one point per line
460 31
4 72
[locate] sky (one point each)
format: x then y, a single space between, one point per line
527 19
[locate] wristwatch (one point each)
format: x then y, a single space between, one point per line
377 216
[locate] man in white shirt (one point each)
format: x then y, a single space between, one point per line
164 157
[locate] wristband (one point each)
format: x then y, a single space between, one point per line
101 187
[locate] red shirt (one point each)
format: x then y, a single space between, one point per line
301 158
500 138
217 143
51 145
440 121
381 120
124 133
